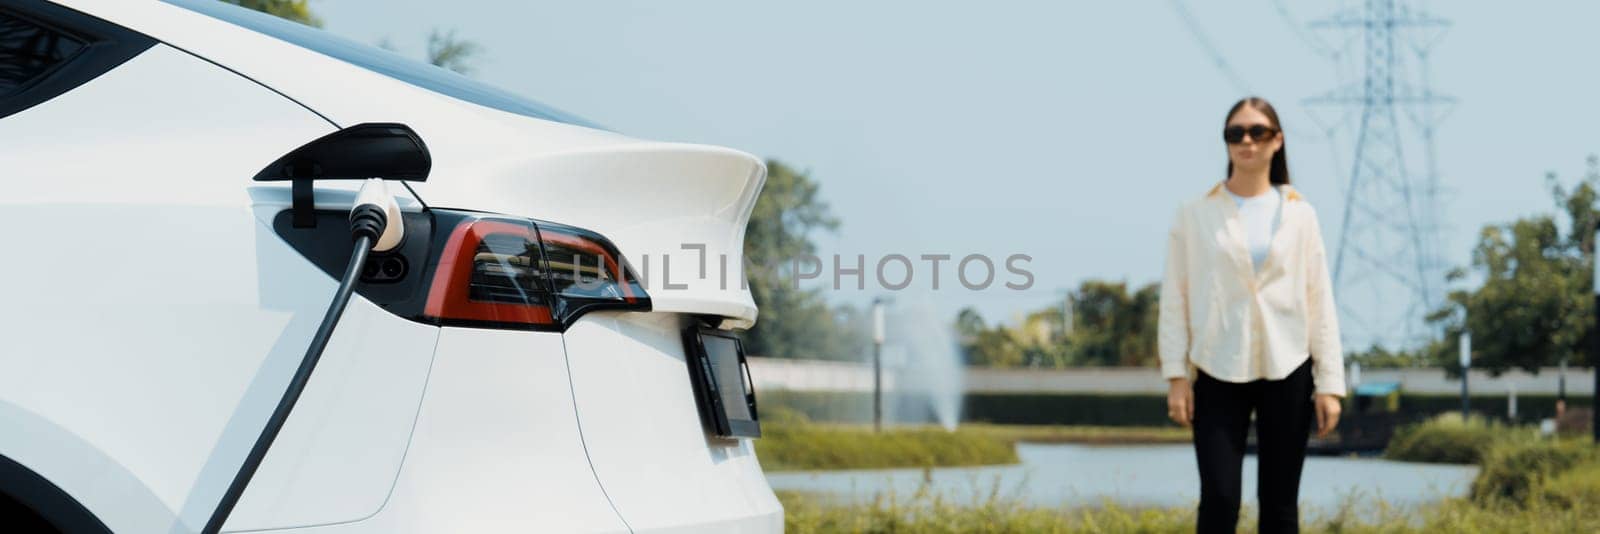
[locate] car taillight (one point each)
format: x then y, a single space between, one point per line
501 272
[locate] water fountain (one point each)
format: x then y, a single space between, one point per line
922 361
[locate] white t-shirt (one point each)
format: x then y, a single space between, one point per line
1260 215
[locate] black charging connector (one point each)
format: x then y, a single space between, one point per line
367 220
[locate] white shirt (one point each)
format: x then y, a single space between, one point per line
1241 320
1260 215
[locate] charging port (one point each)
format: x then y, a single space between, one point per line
385 269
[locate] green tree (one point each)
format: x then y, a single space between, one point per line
1112 327
1379 357
794 322
295 10
983 346
969 323
997 347
1040 339
445 49
451 52
1534 306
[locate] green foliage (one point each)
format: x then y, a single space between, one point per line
295 10
444 48
926 510
1514 472
790 441
1105 409
1110 326
1534 305
1086 434
1378 357
1551 485
1447 439
794 322
1113 327
982 345
451 52
1574 489
1466 517
994 347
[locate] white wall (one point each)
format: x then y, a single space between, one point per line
818 375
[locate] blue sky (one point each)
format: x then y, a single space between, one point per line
1068 131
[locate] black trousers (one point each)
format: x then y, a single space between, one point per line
1284 413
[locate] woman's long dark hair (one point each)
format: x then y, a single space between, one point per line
1279 174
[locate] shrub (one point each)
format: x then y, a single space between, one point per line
1574 489
1514 471
1447 439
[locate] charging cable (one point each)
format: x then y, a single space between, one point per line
370 225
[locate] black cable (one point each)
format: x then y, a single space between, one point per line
414 194
352 273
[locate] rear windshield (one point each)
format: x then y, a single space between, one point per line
381 61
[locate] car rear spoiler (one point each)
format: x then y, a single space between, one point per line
677 212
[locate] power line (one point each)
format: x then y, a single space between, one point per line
1317 46
1217 59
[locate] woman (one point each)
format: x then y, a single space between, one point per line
1248 324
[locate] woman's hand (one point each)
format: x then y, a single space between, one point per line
1328 409
1180 401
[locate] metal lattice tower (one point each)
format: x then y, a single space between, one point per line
1387 271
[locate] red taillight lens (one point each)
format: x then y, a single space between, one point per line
490 271
516 273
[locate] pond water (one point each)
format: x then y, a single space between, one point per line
1052 475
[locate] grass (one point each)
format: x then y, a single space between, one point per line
789 441
926 511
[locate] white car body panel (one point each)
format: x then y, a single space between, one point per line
337 459
628 383
135 189
497 447
186 374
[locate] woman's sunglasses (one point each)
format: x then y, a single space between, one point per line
1258 133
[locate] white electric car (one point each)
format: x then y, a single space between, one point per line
545 348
